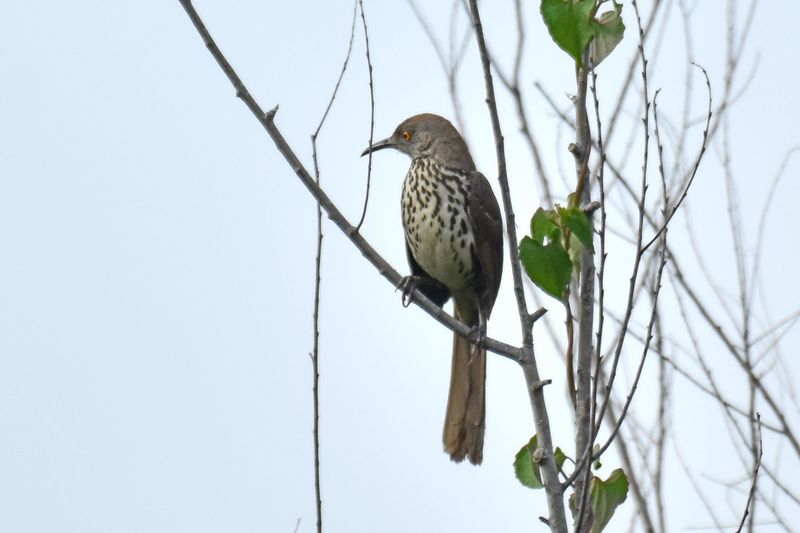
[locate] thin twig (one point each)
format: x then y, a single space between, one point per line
661 425
452 62
701 494
788 320
656 285
603 254
513 86
555 498
640 228
755 478
626 84
371 115
734 218
762 221
585 455
715 393
694 169
658 479
637 487
736 354
318 280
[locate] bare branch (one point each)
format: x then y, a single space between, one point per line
429 33
737 355
762 222
755 478
317 284
452 62
626 83
701 494
583 385
714 392
371 114
555 500
640 228
661 421
513 86
694 169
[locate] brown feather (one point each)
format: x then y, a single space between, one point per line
465 420
487 227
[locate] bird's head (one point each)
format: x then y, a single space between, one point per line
428 135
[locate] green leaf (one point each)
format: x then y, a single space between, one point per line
560 457
548 266
606 496
578 223
544 224
608 32
525 469
570 24
571 201
571 503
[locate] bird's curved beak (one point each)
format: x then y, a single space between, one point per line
380 145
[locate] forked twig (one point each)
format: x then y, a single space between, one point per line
318 282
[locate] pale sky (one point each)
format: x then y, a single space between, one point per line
156 276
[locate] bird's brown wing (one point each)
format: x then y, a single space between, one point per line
487 227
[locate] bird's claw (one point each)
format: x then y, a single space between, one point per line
406 287
477 336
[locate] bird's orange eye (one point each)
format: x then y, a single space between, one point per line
406 135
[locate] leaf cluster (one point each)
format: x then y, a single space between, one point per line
573 25
548 253
605 495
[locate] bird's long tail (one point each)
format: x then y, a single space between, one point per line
465 420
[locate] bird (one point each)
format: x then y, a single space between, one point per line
454 245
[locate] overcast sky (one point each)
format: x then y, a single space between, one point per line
156 268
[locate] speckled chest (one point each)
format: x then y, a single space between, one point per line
436 222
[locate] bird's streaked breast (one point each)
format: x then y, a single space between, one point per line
435 219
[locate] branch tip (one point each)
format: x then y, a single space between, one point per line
536 315
576 151
591 207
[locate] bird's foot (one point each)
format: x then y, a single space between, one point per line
406 287
427 286
477 336
478 333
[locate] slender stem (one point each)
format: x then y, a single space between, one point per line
661 435
371 115
318 281
555 496
583 381
315 368
750 495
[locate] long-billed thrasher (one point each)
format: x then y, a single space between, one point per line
454 244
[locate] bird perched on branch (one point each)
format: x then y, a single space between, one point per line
454 244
